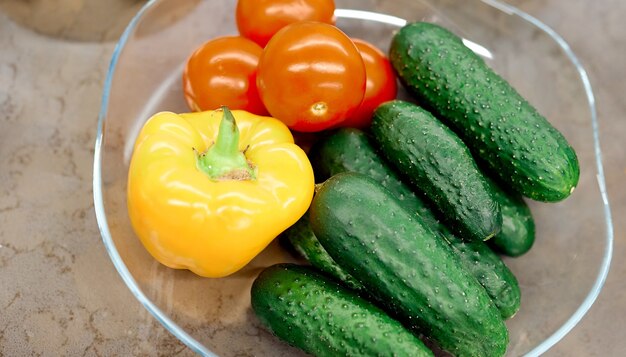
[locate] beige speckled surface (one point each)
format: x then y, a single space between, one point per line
60 294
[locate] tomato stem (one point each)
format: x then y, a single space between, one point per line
223 160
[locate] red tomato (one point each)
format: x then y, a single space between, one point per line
223 71
311 76
381 85
259 20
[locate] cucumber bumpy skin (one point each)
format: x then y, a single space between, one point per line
502 128
518 227
436 162
350 150
405 267
301 238
315 314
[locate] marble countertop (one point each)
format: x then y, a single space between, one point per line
61 295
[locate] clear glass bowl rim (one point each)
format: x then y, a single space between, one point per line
198 347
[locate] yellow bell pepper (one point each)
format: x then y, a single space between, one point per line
208 194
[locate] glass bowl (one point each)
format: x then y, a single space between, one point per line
560 277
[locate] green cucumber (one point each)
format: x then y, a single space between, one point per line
312 312
301 238
350 150
436 162
518 227
502 128
490 271
405 267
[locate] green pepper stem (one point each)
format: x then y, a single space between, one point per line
223 160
